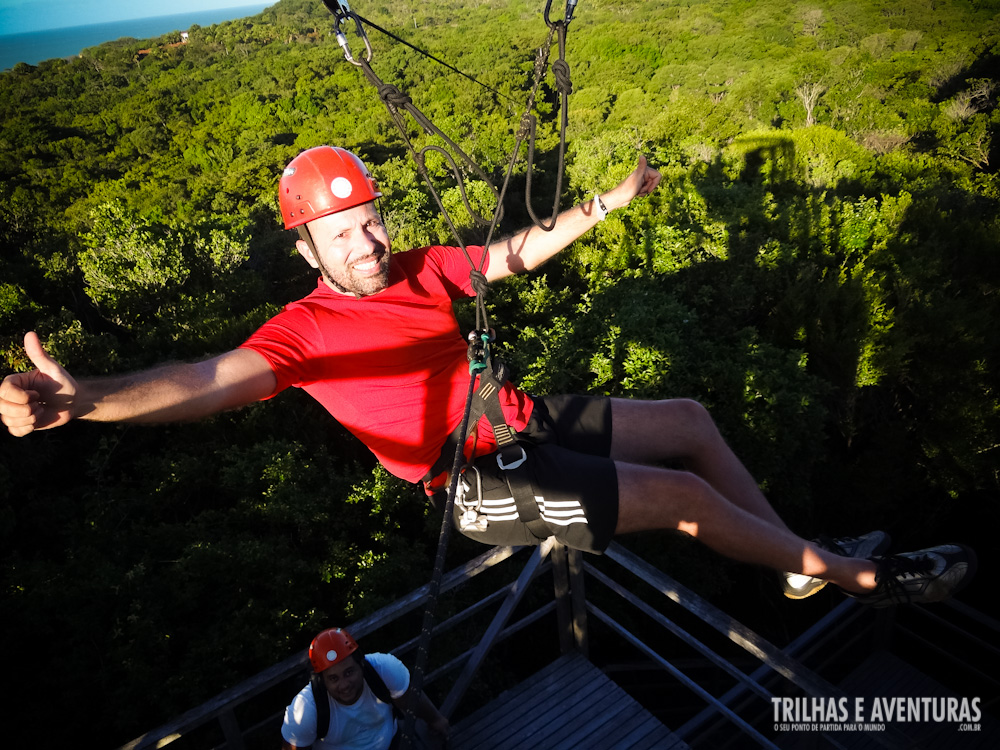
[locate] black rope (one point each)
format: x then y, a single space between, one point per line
395 101
560 68
434 587
432 57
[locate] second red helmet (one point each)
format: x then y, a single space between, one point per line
330 647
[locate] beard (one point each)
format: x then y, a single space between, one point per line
363 285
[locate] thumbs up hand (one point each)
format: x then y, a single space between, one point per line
40 399
642 181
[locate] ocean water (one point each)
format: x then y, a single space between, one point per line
36 46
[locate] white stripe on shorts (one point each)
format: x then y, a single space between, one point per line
556 512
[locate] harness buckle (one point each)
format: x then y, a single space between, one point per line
514 464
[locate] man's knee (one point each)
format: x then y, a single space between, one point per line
652 497
686 410
691 418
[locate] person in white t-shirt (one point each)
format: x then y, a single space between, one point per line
363 696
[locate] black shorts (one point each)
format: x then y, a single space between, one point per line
568 443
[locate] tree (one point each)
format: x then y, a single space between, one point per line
809 93
129 264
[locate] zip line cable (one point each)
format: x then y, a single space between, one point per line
402 41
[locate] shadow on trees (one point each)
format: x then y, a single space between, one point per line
846 351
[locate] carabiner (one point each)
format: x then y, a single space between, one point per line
342 11
479 349
570 8
472 517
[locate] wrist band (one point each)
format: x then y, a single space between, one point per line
600 208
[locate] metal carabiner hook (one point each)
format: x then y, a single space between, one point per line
342 11
568 16
472 517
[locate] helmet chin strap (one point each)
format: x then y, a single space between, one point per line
307 238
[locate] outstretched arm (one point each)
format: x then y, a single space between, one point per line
49 396
533 246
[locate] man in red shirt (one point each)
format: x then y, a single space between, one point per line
376 343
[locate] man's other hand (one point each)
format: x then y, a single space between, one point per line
40 399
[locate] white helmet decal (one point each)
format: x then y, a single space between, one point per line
331 656
341 187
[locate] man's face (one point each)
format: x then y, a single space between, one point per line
344 681
353 249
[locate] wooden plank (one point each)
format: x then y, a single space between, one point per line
661 738
579 598
568 705
738 633
887 676
512 629
568 668
549 717
564 609
613 720
571 670
553 680
492 722
600 712
495 627
844 613
637 736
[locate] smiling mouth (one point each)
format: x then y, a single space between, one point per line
370 263
367 265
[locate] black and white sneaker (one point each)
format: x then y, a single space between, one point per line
799 585
927 575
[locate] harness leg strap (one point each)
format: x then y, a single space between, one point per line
511 458
521 490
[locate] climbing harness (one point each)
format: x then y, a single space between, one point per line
482 400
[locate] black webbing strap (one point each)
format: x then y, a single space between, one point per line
511 456
322 700
476 411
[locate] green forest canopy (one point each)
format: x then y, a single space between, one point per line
819 267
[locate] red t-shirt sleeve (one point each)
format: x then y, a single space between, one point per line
286 341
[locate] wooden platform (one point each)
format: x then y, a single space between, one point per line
568 704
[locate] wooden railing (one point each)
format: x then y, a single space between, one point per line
222 708
572 608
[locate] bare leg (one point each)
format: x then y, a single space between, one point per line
718 502
655 498
647 432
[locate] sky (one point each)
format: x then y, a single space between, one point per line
20 16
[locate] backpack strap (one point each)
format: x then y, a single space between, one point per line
322 700
378 687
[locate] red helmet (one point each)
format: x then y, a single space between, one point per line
321 181
329 647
